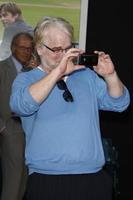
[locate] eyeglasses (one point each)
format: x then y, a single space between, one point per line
66 95
22 48
57 49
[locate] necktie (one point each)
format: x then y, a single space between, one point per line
25 69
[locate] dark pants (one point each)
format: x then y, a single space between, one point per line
14 173
96 186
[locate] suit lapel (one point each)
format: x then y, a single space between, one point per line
11 68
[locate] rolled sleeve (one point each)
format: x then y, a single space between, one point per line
118 104
22 103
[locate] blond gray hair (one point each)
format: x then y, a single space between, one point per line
48 22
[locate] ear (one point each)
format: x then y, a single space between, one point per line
16 16
39 50
13 49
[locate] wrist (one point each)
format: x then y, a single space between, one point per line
57 73
111 76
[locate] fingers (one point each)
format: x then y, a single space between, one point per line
102 54
67 65
75 51
72 53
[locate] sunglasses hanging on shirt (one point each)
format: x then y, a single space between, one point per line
67 94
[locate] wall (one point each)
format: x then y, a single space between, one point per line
109 28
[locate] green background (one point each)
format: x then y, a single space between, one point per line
34 10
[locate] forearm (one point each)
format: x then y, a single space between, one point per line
41 89
114 85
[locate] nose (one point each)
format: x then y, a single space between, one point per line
28 49
63 52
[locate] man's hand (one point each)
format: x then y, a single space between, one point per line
67 65
105 66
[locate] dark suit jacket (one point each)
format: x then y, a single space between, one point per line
8 73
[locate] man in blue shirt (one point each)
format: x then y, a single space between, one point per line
59 104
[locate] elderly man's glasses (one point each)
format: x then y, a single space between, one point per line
66 95
22 48
57 49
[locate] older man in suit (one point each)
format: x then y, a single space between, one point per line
11 133
12 20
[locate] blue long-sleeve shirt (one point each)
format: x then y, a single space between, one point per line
64 137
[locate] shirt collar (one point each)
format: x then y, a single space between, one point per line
17 64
